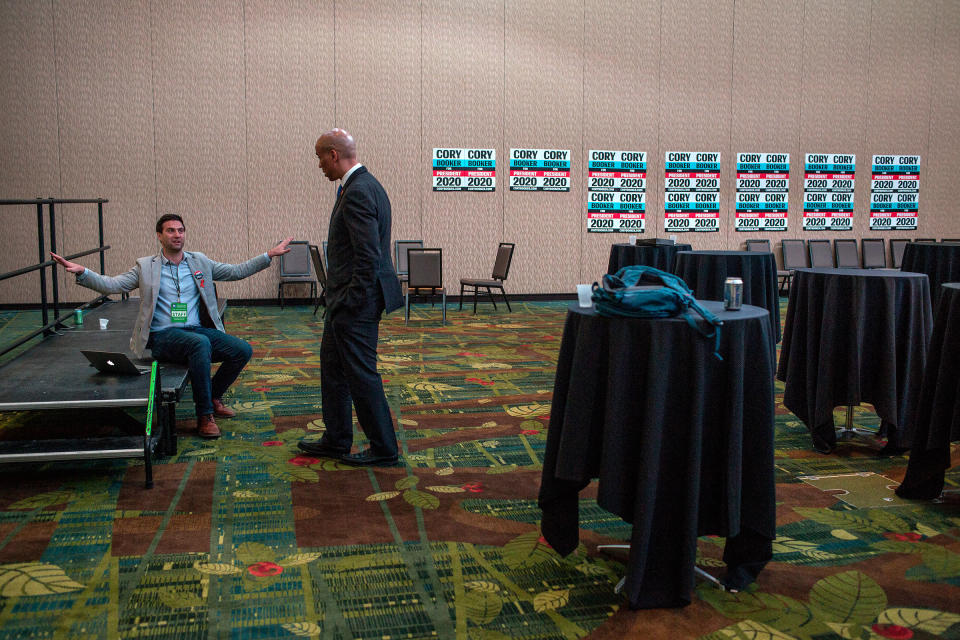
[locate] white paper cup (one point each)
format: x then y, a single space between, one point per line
632 239
673 238
104 322
584 293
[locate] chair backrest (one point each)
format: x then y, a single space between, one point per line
400 248
848 256
501 267
952 240
296 263
896 251
794 254
762 246
820 253
425 268
924 239
318 266
874 253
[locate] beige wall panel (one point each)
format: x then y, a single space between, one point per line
695 74
106 123
378 100
462 108
198 70
836 38
766 100
939 216
621 62
28 135
543 109
289 103
899 77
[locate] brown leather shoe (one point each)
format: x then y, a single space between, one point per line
207 427
221 410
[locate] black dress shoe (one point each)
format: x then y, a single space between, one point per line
368 458
320 449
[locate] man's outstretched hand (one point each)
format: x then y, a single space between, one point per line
72 267
280 249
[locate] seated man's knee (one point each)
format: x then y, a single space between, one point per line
201 348
244 351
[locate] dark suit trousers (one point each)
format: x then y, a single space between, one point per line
348 375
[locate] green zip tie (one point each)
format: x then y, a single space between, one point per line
153 384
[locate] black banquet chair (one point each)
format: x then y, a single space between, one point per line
820 254
321 272
400 248
848 256
896 251
425 278
762 246
874 253
295 268
794 257
501 268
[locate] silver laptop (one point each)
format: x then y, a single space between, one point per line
114 363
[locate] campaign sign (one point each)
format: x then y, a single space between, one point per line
539 170
691 187
828 182
464 169
763 188
616 191
894 192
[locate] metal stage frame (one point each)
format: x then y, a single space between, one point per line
53 374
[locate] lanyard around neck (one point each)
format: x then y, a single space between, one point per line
175 272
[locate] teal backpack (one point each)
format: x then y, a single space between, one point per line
623 294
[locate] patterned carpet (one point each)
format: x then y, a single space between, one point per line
244 537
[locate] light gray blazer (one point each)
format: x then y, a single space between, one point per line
146 276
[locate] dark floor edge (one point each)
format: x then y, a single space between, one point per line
266 302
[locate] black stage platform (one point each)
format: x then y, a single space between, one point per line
53 374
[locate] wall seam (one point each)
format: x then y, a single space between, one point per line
420 157
800 158
246 136
656 232
583 135
731 229
153 111
503 123
56 96
933 65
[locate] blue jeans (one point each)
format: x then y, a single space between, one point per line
197 347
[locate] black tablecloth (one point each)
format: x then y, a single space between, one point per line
852 336
938 416
682 443
941 263
661 256
705 272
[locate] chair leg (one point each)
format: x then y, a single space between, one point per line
443 321
475 290
406 313
490 295
461 296
280 294
504 294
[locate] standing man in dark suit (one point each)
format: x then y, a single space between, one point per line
361 284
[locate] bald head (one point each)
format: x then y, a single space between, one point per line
337 152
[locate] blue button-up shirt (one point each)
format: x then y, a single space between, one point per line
170 275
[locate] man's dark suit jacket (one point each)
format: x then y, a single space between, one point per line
359 266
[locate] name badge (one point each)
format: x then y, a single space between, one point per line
178 312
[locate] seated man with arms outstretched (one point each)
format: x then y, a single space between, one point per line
178 319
